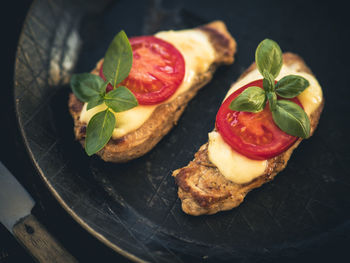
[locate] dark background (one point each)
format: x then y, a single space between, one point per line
13 155
81 244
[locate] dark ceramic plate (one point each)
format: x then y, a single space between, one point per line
133 207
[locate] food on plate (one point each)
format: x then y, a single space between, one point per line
137 93
275 104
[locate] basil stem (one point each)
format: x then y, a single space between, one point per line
120 99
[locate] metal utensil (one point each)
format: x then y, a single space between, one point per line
15 214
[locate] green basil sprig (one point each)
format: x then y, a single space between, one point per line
291 86
99 131
91 89
287 115
86 86
252 99
291 117
118 59
268 58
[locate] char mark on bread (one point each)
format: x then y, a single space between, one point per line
204 190
165 116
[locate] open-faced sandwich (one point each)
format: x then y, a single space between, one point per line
137 93
259 124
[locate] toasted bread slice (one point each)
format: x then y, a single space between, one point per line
165 116
204 190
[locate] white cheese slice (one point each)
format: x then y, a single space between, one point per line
198 54
233 165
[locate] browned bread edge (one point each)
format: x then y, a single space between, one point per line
165 116
204 190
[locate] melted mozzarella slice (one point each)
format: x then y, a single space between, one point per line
198 54
233 165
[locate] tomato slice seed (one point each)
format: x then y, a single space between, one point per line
254 135
157 71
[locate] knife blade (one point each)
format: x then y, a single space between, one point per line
15 202
15 214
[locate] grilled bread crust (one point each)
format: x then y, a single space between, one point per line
204 190
166 115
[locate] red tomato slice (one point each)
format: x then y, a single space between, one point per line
157 70
254 135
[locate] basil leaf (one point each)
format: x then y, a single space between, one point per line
268 56
252 99
94 102
99 131
86 86
268 82
118 59
97 100
291 118
272 97
291 86
120 99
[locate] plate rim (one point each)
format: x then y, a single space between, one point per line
60 200
52 190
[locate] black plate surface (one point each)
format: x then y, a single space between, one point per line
133 207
